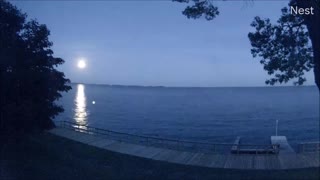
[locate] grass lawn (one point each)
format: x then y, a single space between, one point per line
45 156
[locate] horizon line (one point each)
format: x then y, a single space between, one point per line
162 86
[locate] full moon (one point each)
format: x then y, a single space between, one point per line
81 64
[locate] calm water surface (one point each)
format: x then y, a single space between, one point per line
200 114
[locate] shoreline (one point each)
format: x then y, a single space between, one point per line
46 156
277 155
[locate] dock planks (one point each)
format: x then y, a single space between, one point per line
287 159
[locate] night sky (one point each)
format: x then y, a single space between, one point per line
152 43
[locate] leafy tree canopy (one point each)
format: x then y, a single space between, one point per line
199 9
30 82
284 48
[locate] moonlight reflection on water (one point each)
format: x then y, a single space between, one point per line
80 111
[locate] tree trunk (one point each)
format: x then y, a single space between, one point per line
314 31
316 53
313 25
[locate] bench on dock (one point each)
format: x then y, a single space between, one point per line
271 150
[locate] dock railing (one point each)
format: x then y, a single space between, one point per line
309 147
192 146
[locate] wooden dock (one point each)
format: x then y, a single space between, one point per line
285 147
213 160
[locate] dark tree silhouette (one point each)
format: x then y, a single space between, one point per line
284 48
29 81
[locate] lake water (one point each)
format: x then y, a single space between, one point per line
197 114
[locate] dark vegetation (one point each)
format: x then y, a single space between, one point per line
41 156
286 49
29 80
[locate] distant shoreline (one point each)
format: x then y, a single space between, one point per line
196 87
